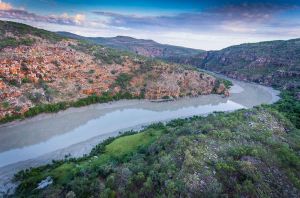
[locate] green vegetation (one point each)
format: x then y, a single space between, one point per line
220 81
123 80
12 42
289 105
246 153
251 153
91 71
35 97
26 80
5 104
227 83
14 82
273 63
22 30
114 150
105 55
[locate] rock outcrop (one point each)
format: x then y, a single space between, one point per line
51 69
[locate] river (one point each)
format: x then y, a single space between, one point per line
39 140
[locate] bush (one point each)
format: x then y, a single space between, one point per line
123 80
288 157
289 106
25 80
35 97
12 42
5 104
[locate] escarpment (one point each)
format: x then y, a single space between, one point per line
40 67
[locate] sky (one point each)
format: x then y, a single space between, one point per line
200 24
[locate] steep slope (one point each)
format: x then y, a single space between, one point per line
40 67
274 63
143 47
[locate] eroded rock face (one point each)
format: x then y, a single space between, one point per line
59 72
66 70
181 83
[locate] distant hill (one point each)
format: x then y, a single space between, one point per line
143 47
274 63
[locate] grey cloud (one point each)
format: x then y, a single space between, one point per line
27 16
210 19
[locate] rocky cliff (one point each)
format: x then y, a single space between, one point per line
40 67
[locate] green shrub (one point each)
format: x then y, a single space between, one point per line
288 157
26 80
289 106
5 104
12 42
123 80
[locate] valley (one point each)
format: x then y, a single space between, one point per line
80 119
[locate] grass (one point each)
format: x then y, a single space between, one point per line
128 144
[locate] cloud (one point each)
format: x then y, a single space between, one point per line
23 15
5 6
77 19
7 11
215 27
235 18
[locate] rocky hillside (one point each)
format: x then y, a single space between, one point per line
40 67
143 47
273 63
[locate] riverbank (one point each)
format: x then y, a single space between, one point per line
56 107
82 122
